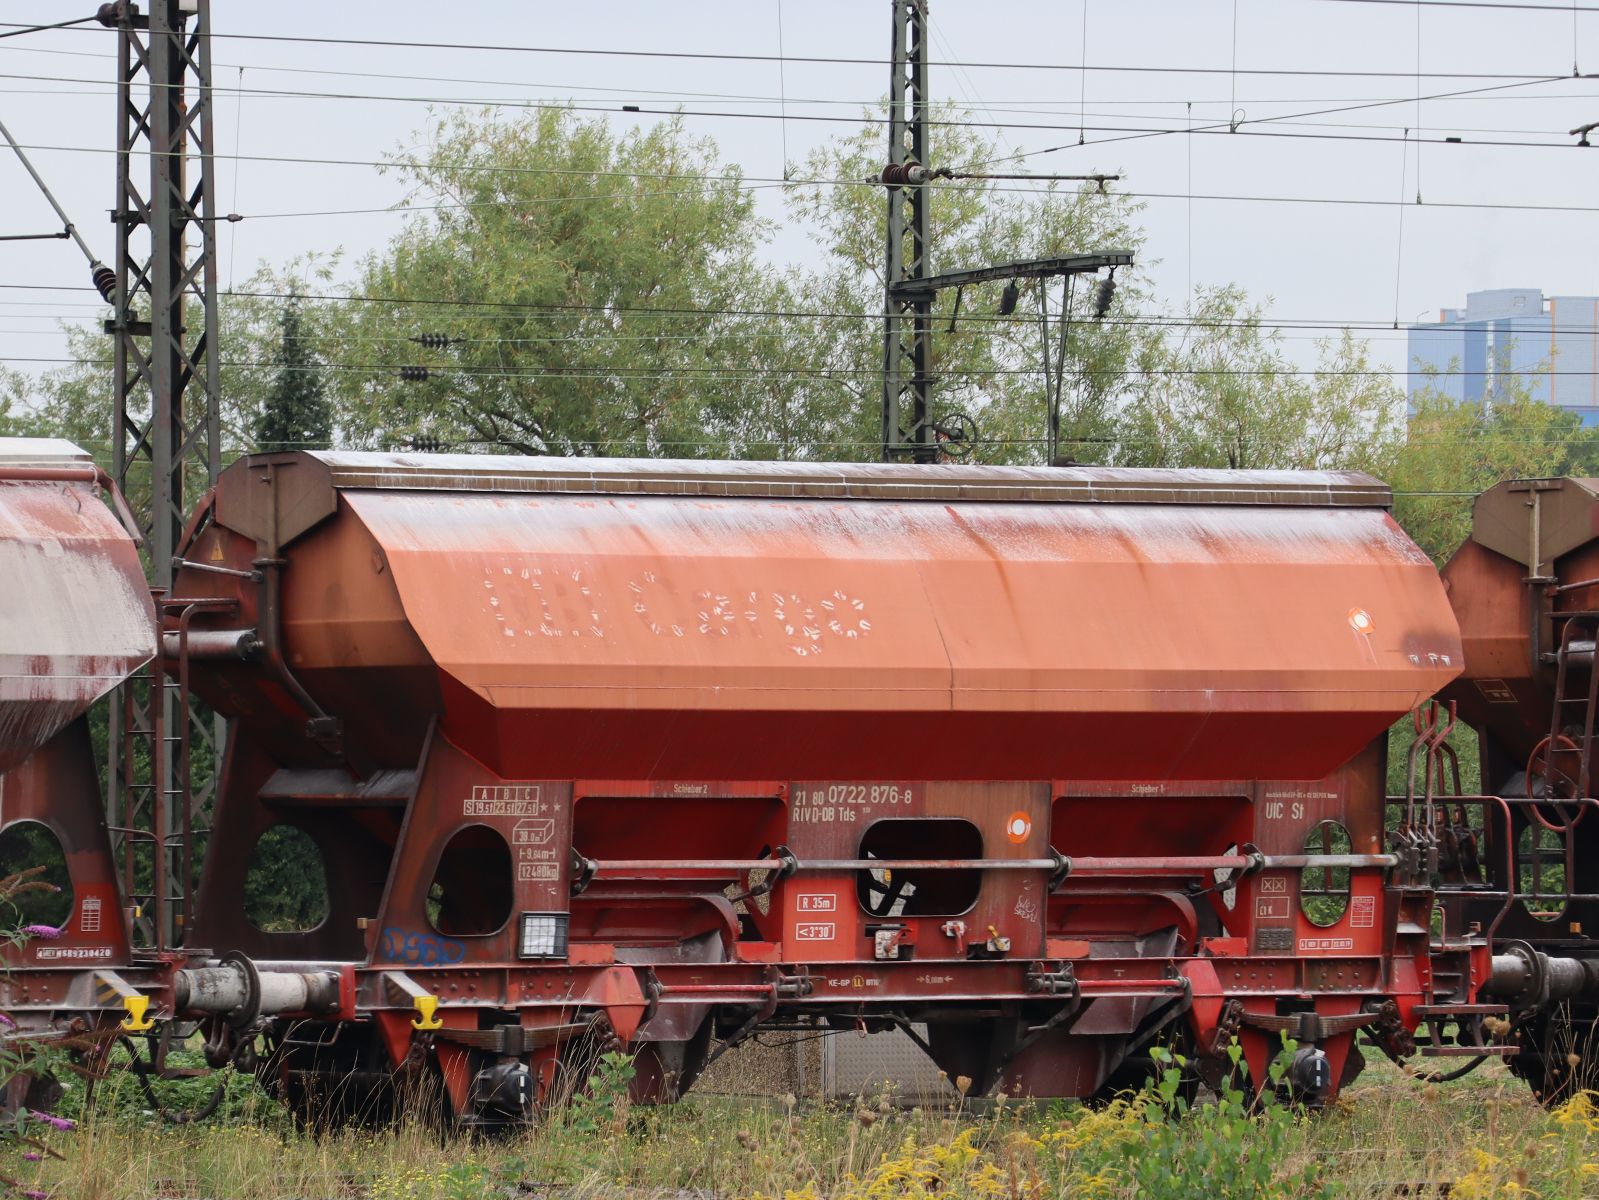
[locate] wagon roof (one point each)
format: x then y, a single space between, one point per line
867 481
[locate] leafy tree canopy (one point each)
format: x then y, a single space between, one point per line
1452 451
592 285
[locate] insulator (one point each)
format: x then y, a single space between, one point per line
900 174
413 374
1103 297
426 444
1008 298
434 341
105 281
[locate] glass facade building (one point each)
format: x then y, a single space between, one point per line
1552 342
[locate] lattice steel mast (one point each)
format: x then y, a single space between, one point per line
910 287
166 427
907 422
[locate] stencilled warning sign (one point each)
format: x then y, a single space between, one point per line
533 832
1362 912
505 800
1496 691
1316 945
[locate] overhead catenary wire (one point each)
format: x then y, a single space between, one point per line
1418 105
1235 128
1485 5
1124 132
782 86
238 127
12 31
1399 242
563 103
1330 325
1230 126
833 60
1313 331
631 92
1355 201
675 371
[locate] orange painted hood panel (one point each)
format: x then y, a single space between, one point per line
708 636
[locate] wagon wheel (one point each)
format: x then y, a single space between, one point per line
1556 1059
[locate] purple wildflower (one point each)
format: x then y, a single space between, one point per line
30 1156
54 1122
36 1195
46 932
7 1021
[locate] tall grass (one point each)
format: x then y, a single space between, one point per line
1389 1135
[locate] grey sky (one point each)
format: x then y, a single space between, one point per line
1315 262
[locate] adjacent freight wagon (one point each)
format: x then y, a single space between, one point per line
1055 764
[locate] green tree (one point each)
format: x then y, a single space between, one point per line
15 419
1219 392
592 287
572 291
1453 451
286 887
75 400
295 414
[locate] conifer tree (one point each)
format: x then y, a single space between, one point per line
296 414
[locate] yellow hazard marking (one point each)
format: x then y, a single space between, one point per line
426 1006
136 1021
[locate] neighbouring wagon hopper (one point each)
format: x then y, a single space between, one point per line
76 619
75 613
1525 588
704 735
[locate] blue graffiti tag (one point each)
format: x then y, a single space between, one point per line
423 949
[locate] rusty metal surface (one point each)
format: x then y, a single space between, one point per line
58 788
815 743
1567 516
1510 608
75 614
656 633
866 481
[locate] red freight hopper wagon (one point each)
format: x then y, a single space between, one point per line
75 620
1057 762
1525 588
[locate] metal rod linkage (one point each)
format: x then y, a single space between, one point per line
1090 864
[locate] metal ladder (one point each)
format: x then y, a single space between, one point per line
1577 640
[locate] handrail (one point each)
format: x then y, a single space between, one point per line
84 473
1083 865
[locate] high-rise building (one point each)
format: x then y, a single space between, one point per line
1552 342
